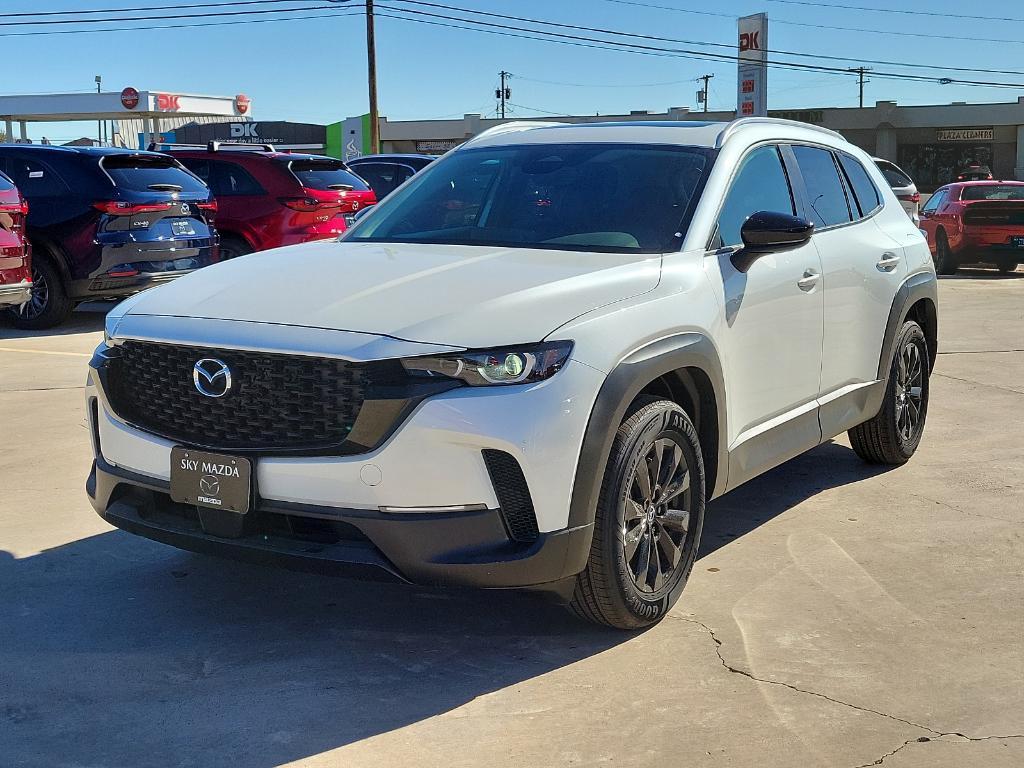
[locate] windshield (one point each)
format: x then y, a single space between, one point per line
605 197
151 173
993 192
326 174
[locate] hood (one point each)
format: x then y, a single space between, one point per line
464 296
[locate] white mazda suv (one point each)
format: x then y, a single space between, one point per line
532 366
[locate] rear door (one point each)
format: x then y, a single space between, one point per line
863 267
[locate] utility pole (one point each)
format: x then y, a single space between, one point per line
371 71
504 93
860 78
707 80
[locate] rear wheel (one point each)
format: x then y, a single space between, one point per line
1006 266
648 522
893 435
945 261
232 247
49 304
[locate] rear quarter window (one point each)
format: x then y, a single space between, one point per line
894 177
151 173
5 184
864 190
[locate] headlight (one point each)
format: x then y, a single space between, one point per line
511 365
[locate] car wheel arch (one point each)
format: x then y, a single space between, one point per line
685 368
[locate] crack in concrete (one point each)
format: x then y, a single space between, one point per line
936 734
953 507
979 383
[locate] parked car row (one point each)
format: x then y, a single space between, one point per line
104 223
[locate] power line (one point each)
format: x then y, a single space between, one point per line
334 15
151 8
940 14
729 46
960 38
164 18
678 52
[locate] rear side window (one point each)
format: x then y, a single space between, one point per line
760 185
5 184
935 201
383 177
826 197
326 174
864 190
893 175
34 179
151 173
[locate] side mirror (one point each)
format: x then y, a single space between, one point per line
767 232
362 212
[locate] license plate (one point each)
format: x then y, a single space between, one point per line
182 228
350 219
211 479
1017 242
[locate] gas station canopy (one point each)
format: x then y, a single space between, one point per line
155 111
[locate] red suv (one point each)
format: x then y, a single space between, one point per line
268 198
15 274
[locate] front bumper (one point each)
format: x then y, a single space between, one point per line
469 548
424 507
15 295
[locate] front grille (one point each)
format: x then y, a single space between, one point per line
283 402
513 495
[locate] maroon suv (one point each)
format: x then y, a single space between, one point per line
15 275
268 198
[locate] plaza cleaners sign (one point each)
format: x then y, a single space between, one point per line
752 69
963 134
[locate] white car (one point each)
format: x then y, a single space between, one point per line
903 187
531 366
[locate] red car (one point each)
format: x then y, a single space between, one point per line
15 272
972 222
268 198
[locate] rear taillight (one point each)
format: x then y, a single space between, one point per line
914 198
122 208
209 207
16 209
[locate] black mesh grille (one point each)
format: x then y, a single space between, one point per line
513 494
275 401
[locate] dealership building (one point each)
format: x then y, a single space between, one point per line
931 143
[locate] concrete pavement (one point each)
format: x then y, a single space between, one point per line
840 615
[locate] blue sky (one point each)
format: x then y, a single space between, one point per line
314 70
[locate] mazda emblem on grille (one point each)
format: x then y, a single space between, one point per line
212 377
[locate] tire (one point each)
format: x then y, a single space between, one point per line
615 589
893 435
945 261
1006 266
232 247
49 305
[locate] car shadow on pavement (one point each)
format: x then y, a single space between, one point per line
85 319
980 273
115 650
754 503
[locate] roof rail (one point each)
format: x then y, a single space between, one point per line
214 146
742 122
513 127
154 144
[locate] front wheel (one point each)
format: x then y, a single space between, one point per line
648 522
893 435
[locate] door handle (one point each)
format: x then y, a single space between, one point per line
809 280
888 262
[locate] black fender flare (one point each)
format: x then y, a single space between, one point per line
922 285
620 388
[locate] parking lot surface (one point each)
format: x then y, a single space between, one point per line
840 614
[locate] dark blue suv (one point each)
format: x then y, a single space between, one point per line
106 223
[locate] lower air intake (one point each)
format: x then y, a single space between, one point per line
513 495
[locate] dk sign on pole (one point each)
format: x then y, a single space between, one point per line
752 66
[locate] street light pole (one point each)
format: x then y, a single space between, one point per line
371 71
99 123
